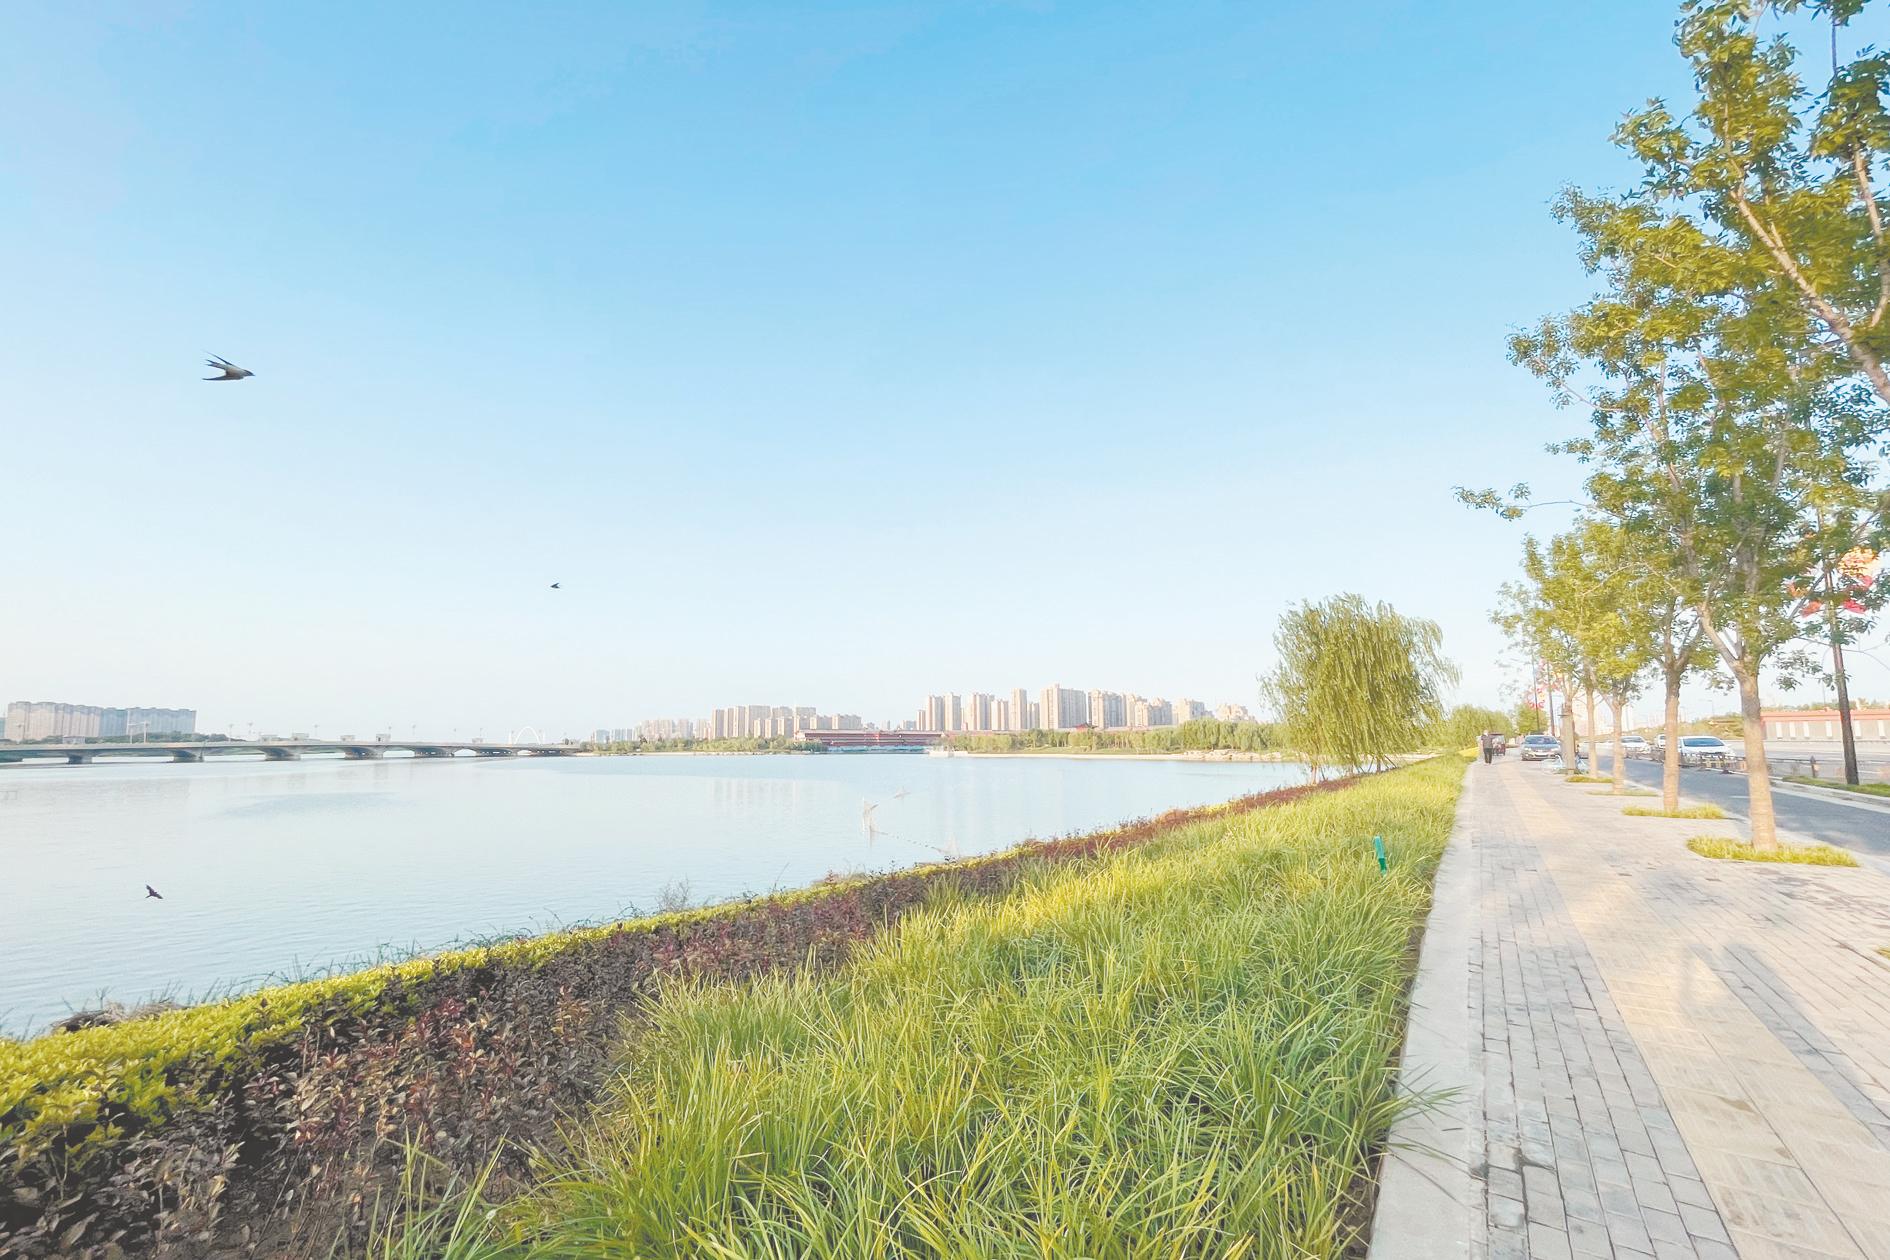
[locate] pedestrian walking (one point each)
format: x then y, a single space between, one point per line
1488 743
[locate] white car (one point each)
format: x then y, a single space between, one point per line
1704 750
1635 746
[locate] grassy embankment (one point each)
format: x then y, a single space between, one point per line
227 1116
1186 1048
1865 789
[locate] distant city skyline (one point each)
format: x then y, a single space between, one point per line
945 712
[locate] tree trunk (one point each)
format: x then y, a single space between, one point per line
1758 773
1618 770
1571 742
1843 698
1670 762
1594 732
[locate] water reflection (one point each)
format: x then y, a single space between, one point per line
272 869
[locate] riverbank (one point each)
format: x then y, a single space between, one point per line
1187 1045
209 1119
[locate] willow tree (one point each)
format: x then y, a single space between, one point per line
1357 682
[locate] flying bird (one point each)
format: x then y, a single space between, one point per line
150 892
557 586
901 794
229 370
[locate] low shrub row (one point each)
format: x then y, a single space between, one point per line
286 1111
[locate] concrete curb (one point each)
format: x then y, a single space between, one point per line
1430 1187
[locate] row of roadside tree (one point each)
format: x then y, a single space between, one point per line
1732 372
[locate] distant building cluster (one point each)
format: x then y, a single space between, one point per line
653 729
763 721
740 721
1056 708
29 720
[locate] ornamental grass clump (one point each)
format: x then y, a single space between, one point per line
1186 1049
1740 851
1697 812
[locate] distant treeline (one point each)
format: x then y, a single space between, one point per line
1461 726
631 747
1200 735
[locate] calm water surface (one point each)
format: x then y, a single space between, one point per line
274 870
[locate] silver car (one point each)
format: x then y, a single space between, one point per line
1540 747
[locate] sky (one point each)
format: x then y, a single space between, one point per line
826 354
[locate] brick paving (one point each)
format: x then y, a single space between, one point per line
1676 1057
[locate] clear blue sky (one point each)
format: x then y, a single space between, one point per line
827 354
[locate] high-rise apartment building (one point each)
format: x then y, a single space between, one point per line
954 712
932 716
978 714
1020 709
1001 716
1107 710
53 719
1063 709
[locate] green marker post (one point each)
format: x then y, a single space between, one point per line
1378 844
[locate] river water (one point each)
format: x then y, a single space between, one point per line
273 870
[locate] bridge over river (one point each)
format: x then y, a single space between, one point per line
269 750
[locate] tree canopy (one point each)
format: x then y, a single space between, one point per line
1357 682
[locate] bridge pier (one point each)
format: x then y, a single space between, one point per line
185 754
281 754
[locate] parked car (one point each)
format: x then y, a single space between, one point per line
1540 747
1635 746
1704 750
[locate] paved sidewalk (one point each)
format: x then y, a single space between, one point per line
1659 1054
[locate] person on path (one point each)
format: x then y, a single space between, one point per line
1487 742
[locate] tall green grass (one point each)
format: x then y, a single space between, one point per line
1187 1049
